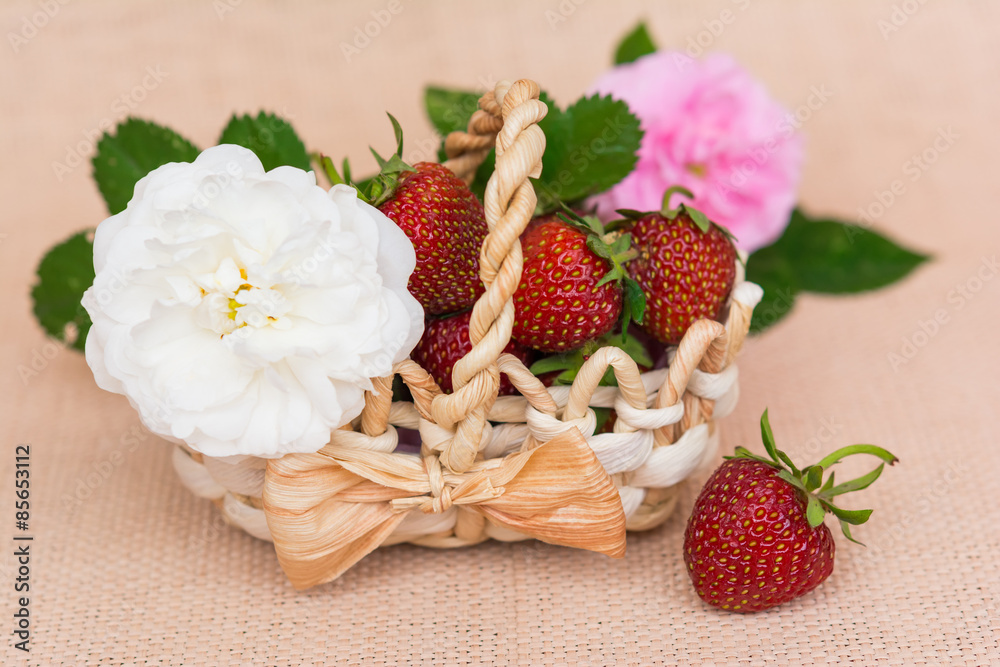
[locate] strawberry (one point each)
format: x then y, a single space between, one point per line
571 285
756 538
446 340
686 267
440 215
446 224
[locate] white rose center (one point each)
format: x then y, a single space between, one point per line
231 302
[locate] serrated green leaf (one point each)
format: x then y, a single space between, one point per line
64 274
271 139
449 109
590 147
137 148
635 45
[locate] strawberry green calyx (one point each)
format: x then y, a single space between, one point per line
697 217
700 220
379 188
615 248
817 493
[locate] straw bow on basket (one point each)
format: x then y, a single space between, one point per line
508 468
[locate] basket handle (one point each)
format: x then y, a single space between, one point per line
510 114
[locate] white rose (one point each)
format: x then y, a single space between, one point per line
245 312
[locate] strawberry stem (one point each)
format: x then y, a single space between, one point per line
665 209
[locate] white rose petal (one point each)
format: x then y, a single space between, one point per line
244 312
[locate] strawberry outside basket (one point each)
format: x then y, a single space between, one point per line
511 468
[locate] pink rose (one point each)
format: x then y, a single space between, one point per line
712 128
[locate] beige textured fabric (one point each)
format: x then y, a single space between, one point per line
136 570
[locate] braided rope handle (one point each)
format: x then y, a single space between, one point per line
511 115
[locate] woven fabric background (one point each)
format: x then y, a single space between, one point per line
128 568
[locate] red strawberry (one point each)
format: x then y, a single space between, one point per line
571 286
686 268
446 224
756 538
446 340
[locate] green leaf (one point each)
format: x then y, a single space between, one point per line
632 346
743 453
330 169
271 138
814 477
814 511
779 297
828 484
791 479
397 130
831 257
853 517
589 147
603 415
599 247
571 362
857 484
450 109
567 377
844 452
823 256
698 218
636 44
137 148
776 454
557 362
767 436
64 274
633 303
846 528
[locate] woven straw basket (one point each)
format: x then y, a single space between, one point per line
508 468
